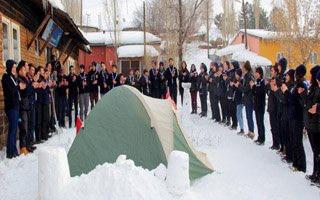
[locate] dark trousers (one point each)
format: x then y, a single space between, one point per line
224 107
173 93
194 100
249 116
156 93
281 133
94 97
163 93
216 108
203 99
314 138
23 128
232 107
299 156
273 117
260 124
13 119
181 91
42 122
73 100
62 103
32 123
211 97
287 138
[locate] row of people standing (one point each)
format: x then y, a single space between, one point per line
292 104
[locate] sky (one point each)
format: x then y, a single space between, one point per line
93 8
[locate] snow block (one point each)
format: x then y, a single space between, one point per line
178 173
53 174
160 172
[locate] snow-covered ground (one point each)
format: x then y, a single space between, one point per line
243 170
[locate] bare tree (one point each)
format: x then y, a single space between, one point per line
256 11
73 8
296 23
228 19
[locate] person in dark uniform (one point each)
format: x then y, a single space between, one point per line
224 99
273 108
145 83
137 79
72 95
297 100
152 75
103 80
163 81
84 98
171 76
62 97
212 71
130 79
194 88
217 92
183 78
285 128
55 63
93 76
203 89
239 100
312 123
259 93
155 84
114 76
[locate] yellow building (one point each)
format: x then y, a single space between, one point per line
268 45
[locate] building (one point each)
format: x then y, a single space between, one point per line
32 31
268 45
130 51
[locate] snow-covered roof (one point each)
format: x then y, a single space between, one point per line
136 51
129 25
255 59
231 49
214 32
124 38
260 33
57 4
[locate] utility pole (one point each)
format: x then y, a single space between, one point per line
81 3
115 31
208 42
245 24
144 36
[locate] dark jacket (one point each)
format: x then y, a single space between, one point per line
130 80
259 92
73 85
230 89
203 83
182 78
194 83
155 82
211 83
218 84
93 76
145 85
113 77
43 95
297 101
25 93
11 92
238 93
163 81
138 83
172 80
285 101
32 95
62 90
104 78
312 121
81 79
246 89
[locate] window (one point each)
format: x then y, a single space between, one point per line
5 39
37 47
280 55
314 58
10 40
16 42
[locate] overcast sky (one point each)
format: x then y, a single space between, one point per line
96 7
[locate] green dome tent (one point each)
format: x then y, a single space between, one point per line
126 122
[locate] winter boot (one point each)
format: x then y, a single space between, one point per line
241 132
250 135
316 179
204 114
24 151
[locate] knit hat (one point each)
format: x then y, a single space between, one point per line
235 64
283 64
314 71
301 71
291 73
9 65
260 71
82 66
239 72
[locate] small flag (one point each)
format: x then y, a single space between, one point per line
79 125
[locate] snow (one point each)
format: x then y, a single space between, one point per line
124 38
214 32
243 170
177 180
255 59
260 33
229 50
194 55
136 51
57 4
